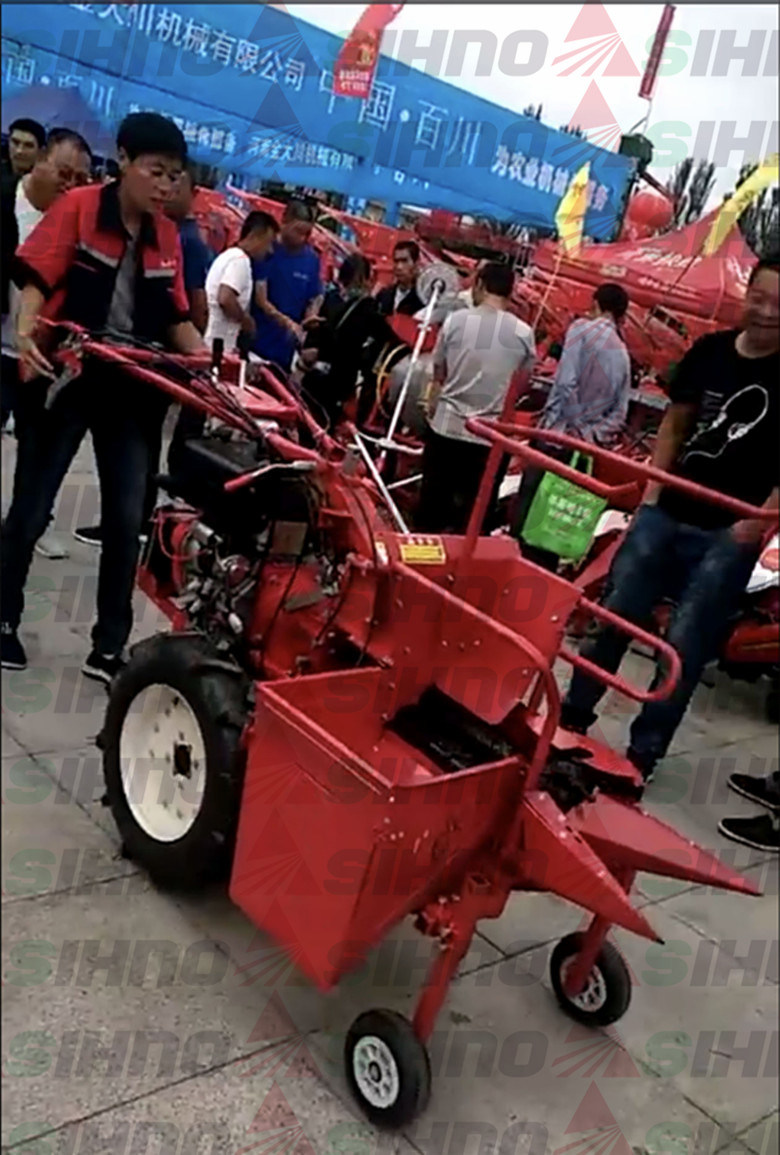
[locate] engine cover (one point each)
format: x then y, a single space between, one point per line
205 464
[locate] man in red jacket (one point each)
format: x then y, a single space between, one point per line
107 258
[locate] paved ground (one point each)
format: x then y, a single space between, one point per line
137 1023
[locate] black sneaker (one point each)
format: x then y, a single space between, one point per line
102 667
11 649
573 720
760 790
762 832
89 534
645 765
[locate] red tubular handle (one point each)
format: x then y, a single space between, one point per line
290 451
536 457
512 438
670 655
284 394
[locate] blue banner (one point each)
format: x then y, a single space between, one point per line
252 89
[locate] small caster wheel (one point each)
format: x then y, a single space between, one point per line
607 992
387 1068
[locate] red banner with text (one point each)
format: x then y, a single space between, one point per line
353 74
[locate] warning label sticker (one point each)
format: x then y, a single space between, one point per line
423 551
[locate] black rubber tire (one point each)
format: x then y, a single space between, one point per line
614 971
217 693
411 1059
772 705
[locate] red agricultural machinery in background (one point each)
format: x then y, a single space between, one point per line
336 691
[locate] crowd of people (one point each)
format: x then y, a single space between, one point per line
125 256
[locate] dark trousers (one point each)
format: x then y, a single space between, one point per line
9 386
122 418
707 572
452 471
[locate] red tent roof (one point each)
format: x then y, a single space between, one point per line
666 270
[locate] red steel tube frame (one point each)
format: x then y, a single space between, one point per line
178 392
672 658
511 438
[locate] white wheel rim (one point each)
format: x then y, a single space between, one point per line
593 995
376 1072
162 762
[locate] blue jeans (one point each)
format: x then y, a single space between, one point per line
706 572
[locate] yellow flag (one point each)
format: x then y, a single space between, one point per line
570 214
731 210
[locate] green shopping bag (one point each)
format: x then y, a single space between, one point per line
563 516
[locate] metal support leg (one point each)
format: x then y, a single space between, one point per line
437 984
578 972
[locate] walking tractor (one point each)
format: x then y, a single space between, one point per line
336 685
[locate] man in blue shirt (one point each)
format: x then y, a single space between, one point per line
198 257
288 290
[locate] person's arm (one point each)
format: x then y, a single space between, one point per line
182 334
749 531
185 338
672 432
685 393
236 279
313 309
227 299
431 396
40 265
199 309
31 301
196 263
614 420
566 377
265 306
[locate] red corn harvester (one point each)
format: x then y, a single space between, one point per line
356 724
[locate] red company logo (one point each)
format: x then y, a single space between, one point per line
283 1050
597 1128
282 1134
589 1055
597 120
603 46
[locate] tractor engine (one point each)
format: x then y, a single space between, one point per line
209 547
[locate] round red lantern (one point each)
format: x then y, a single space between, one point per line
647 213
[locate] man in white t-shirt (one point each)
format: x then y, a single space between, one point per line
229 282
61 165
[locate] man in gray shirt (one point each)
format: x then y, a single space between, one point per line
478 352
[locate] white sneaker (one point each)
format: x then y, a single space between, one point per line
50 545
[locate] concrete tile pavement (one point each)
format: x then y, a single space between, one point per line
197 1036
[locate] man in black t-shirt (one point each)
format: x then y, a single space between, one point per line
720 431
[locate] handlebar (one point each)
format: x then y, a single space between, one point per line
512 438
663 649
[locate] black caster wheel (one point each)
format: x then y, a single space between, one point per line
607 992
387 1068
